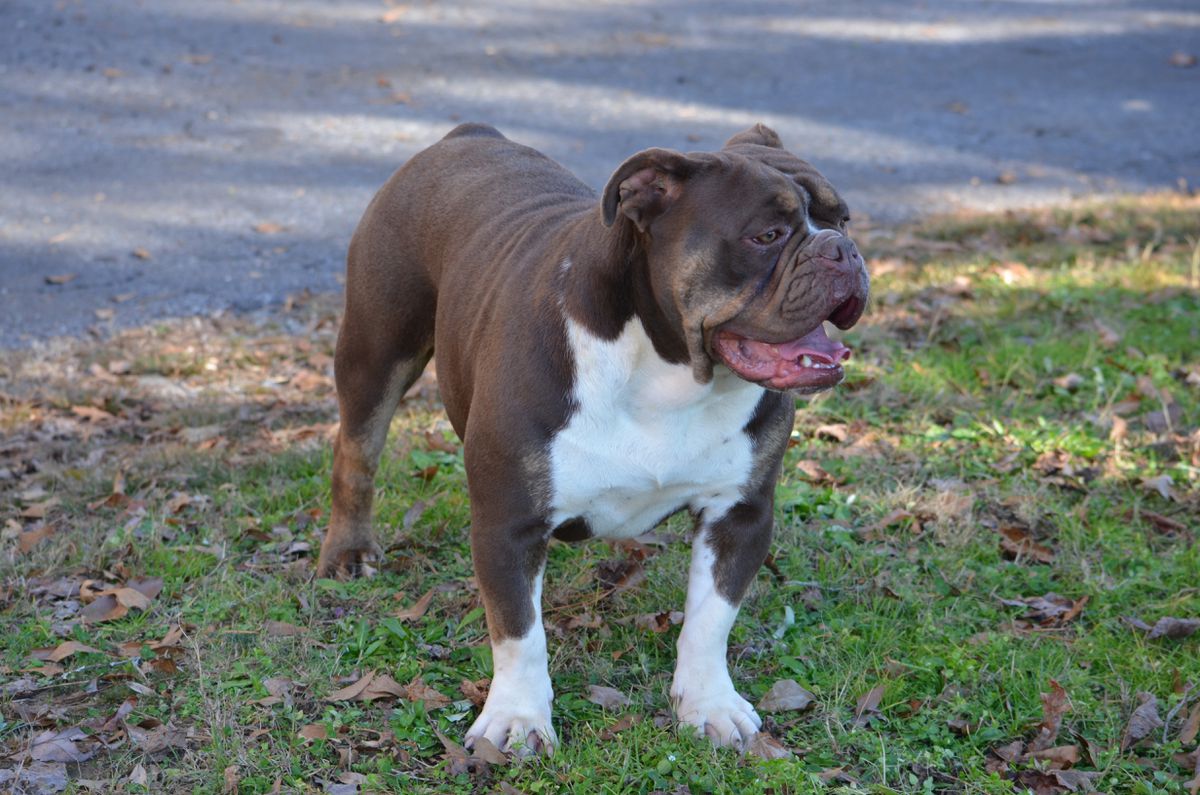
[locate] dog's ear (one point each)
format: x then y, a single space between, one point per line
759 134
646 185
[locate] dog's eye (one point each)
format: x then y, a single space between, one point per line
767 238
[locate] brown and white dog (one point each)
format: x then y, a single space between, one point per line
605 364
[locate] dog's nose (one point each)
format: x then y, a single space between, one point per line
837 250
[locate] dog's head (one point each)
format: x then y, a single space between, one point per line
748 257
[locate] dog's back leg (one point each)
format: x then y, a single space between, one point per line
385 342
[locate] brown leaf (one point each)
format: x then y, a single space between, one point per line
269 228
30 538
61 746
626 721
370 687
171 640
1076 780
313 731
1108 336
1161 485
1054 705
231 780
61 278
1191 727
1011 752
62 651
1050 610
838 431
35 778
103 608
620 574
1168 627
417 610
607 697
157 739
1017 543
282 629
1060 756
39 509
785 695
476 691
814 472
868 706
418 690
486 750
1181 59
765 746
141 253
131 598
1142 722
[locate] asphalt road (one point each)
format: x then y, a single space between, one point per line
175 157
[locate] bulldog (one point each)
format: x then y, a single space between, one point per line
606 365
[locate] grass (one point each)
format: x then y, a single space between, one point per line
1032 372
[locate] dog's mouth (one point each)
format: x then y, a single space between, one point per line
811 363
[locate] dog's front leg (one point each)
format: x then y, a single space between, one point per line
509 563
726 554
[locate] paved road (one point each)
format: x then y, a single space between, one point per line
142 143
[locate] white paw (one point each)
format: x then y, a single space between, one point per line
718 713
522 729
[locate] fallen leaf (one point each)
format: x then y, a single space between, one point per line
157 739
231 780
28 539
838 432
868 706
141 253
1050 610
1142 722
607 697
1016 543
35 778
61 746
477 691
282 629
1167 627
1060 756
63 650
313 731
1076 780
814 472
765 746
486 750
785 695
1161 485
1191 727
103 608
138 776
61 278
417 609
368 688
39 509
268 228
1054 705
626 721
418 690
1108 336
1011 752
1182 60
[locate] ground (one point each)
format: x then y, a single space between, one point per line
180 157
983 580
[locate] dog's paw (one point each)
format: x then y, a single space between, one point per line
723 716
523 732
344 558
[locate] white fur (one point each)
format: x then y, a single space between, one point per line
518 701
702 692
647 439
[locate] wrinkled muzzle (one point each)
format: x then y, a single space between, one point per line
778 339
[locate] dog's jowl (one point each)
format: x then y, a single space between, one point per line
607 363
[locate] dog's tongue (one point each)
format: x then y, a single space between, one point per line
817 345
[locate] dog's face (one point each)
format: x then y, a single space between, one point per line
748 257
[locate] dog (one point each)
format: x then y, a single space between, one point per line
606 364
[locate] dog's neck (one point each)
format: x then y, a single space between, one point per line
606 281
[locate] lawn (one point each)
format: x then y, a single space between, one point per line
985 573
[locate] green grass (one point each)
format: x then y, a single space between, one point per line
956 411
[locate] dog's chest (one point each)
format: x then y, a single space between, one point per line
646 440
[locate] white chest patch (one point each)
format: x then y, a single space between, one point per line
646 439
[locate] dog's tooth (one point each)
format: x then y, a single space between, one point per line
806 361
